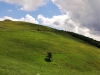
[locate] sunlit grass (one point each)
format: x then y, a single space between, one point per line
23 49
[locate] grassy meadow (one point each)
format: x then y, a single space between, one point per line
23 48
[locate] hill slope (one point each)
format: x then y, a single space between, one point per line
23 47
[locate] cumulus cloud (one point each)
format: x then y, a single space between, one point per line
28 18
60 21
27 5
63 22
7 17
85 13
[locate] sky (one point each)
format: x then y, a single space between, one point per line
79 16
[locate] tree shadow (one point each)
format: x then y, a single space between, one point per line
47 60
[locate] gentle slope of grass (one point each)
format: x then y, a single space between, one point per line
23 49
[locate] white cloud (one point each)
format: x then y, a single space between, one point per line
64 22
7 17
61 21
55 21
28 18
27 5
9 10
85 13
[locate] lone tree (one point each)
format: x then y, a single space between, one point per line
48 57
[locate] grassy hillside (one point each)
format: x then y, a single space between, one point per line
23 48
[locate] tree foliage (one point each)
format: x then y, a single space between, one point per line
48 57
86 39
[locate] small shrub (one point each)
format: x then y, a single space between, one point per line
48 57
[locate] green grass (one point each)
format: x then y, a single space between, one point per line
23 49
